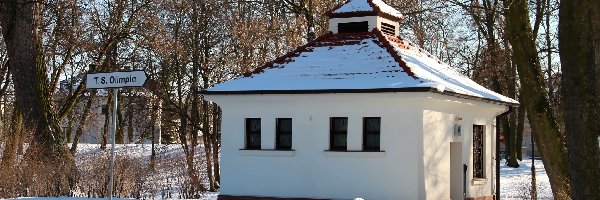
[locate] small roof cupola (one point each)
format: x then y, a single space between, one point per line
363 16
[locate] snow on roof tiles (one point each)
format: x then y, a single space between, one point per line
357 61
362 6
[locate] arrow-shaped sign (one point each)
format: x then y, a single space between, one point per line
118 79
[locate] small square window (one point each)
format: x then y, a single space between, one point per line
371 133
253 133
283 134
338 133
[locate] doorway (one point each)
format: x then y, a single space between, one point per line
456 171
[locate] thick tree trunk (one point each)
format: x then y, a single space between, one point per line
543 125
510 142
579 42
20 21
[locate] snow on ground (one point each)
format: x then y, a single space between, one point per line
515 183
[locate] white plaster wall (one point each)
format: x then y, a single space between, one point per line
312 171
374 22
407 169
440 115
438 130
94 126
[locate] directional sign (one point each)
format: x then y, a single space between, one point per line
118 79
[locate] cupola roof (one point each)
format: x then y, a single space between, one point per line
358 8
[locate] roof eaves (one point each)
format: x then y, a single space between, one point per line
318 91
358 91
353 14
465 96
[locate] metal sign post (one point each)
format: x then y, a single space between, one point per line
112 147
115 80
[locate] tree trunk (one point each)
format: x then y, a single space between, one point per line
543 125
68 134
520 125
13 139
120 134
215 145
206 138
510 143
579 42
130 120
21 21
82 121
107 118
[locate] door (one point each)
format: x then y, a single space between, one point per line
456 171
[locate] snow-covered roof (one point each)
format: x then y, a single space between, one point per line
364 7
356 62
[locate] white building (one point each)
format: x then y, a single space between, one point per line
142 126
358 112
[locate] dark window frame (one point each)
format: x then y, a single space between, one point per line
478 151
250 133
367 133
333 132
280 133
353 27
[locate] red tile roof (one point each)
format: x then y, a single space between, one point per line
368 61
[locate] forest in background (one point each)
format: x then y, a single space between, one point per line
512 47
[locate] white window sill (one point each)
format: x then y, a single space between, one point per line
329 153
478 181
267 152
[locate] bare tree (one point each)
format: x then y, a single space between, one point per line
543 124
21 22
579 39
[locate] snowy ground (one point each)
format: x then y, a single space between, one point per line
515 182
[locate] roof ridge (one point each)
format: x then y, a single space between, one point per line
385 43
330 11
374 6
376 9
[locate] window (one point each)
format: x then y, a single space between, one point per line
388 28
371 132
252 133
338 133
478 150
353 27
104 109
283 133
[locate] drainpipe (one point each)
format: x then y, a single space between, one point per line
510 108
